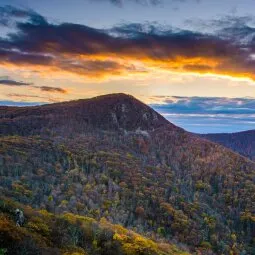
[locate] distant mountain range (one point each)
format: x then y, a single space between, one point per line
241 142
114 159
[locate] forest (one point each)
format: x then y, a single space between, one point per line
111 176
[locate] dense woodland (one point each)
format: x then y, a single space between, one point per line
122 163
69 234
241 142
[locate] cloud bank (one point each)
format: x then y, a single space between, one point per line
19 104
121 3
141 2
208 114
129 49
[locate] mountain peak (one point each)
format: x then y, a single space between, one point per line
108 112
117 111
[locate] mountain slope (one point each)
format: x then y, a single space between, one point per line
45 233
109 112
141 172
241 142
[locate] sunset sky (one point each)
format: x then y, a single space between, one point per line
191 60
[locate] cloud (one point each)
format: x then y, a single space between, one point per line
208 114
8 82
120 3
24 95
125 50
205 105
7 13
240 29
41 99
15 58
53 89
20 104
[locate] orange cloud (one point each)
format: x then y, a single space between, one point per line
84 51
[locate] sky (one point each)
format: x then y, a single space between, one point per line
191 60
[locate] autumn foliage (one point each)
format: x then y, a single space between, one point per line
132 169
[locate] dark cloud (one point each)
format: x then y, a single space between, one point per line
7 13
92 52
16 57
53 89
8 82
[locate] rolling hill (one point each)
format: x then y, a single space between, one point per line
241 142
114 158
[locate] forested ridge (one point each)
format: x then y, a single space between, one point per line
113 159
241 142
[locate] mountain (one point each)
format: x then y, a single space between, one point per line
109 112
240 142
113 158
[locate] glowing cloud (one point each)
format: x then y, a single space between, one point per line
125 50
